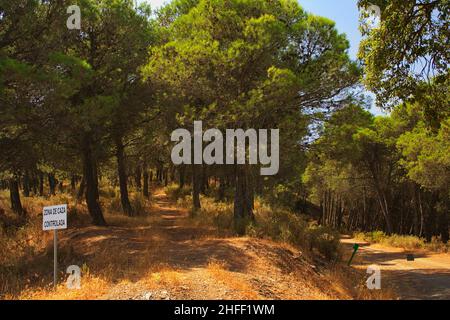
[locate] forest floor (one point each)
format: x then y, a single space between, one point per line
427 277
171 259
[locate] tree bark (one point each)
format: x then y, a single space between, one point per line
91 179
196 186
81 189
166 177
26 184
145 188
52 183
221 188
16 204
123 179
41 184
138 177
243 200
181 176
73 183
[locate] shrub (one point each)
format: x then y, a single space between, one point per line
175 192
326 241
139 204
277 224
107 192
402 241
115 205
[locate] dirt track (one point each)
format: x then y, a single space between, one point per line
427 277
172 258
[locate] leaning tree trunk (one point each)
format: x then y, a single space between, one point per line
91 179
16 204
123 179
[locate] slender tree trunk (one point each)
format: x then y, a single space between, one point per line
73 183
26 184
14 193
166 177
35 184
138 177
123 179
41 184
444 218
243 200
196 186
52 183
385 210
91 179
81 189
181 176
145 189
221 188
204 180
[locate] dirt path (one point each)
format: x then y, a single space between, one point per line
171 258
427 277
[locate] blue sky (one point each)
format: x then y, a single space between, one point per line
343 12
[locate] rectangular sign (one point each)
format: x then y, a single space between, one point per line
54 217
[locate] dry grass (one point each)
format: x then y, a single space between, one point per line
130 253
26 258
352 282
91 288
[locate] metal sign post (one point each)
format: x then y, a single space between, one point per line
54 218
55 257
355 248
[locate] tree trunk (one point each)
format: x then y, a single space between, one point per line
26 184
52 183
73 183
196 186
243 200
16 204
41 184
81 190
145 189
35 184
138 177
123 179
181 176
204 180
221 188
444 218
91 179
166 177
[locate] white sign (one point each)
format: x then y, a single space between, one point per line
54 217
